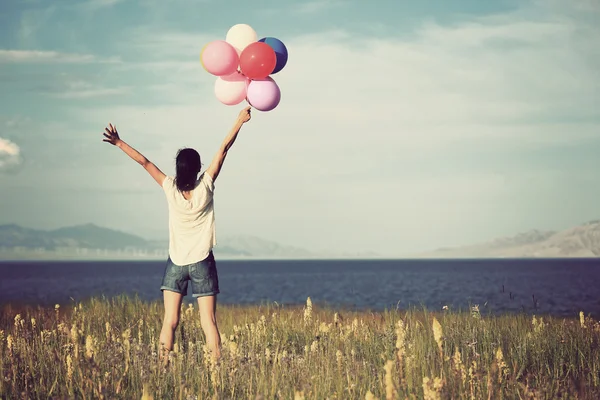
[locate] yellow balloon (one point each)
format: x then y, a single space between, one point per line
202 51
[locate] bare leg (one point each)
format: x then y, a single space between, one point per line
208 320
172 302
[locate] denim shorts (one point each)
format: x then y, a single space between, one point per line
202 274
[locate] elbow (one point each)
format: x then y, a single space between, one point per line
144 163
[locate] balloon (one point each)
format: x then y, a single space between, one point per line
240 36
280 51
231 89
258 60
263 94
219 58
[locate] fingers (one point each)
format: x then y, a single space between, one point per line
107 136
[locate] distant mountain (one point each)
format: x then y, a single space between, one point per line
85 236
92 240
255 246
578 241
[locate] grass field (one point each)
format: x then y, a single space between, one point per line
108 349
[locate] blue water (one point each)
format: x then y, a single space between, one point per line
558 287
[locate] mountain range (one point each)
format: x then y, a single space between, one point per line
92 241
577 241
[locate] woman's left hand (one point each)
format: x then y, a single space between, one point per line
111 135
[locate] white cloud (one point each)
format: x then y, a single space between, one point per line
10 155
316 6
102 3
41 56
79 89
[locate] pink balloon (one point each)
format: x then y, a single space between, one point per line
263 94
219 58
231 89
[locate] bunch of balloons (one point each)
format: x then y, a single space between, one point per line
243 65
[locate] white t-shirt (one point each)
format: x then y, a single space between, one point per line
191 222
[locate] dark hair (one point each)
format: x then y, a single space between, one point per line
187 166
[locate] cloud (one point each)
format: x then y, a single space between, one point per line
45 57
95 4
316 6
79 89
10 155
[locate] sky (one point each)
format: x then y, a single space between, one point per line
403 126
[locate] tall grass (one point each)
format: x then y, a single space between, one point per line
109 349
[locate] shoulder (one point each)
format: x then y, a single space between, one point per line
207 180
168 183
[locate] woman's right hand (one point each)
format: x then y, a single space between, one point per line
244 115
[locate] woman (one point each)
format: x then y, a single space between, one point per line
191 234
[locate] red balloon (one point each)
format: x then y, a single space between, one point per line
258 60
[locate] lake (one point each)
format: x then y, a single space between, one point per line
560 287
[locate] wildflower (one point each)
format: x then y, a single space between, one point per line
390 391
74 334
432 389
18 321
459 367
308 310
206 355
33 324
146 393
190 309
108 330
9 344
475 311
501 364
400 339
370 396
233 349
336 319
437 333
473 378
126 336
339 358
445 308
69 369
314 346
324 328
539 326
267 354
581 319
140 331
89 347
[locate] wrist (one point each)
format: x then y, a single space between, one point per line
119 143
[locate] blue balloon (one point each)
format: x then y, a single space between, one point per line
280 51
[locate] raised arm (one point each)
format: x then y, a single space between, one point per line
112 136
217 162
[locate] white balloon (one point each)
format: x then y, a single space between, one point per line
240 36
231 90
